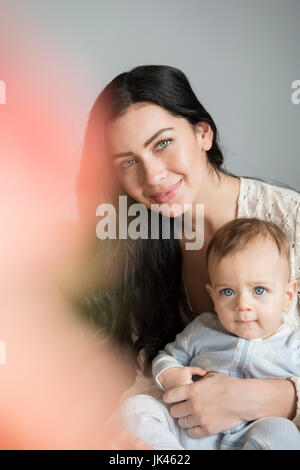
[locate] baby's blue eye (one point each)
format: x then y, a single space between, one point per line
227 292
126 164
163 142
260 290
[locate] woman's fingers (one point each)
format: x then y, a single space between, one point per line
182 392
180 410
176 394
196 432
187 422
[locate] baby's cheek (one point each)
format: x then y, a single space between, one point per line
226 307
228 323
269 318
222 304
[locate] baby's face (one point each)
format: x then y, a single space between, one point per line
250 289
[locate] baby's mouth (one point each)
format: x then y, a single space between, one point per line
245 321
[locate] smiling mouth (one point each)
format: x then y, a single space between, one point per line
168 194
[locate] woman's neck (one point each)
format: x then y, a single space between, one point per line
219 196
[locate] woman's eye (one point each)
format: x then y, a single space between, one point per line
227 292
163 144
127 164
260 290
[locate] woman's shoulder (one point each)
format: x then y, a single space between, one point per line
268 202
254 190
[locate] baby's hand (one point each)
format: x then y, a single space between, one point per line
176 376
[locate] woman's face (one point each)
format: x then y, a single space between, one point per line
159 158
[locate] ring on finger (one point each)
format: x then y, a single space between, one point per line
186 424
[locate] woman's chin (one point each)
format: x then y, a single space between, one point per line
167 209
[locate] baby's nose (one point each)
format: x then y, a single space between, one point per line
243 304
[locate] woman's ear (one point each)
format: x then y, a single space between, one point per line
290 293
205 133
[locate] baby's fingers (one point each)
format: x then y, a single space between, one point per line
197 373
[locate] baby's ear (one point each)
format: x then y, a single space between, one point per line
290 293
209 289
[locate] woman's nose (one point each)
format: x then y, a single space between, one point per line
154 173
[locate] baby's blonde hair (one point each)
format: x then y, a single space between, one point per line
235 235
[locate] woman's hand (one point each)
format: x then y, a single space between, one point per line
218 402
210 404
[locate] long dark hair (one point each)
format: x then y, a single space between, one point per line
145 303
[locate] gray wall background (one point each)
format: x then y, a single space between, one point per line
240 56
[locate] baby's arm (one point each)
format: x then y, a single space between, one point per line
170 367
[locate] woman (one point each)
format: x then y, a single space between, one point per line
159 145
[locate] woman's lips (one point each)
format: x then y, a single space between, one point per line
168 194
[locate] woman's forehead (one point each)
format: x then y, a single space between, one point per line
144 114
142 120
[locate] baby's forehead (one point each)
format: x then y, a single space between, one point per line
260 254
257 244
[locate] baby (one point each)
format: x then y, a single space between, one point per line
249 336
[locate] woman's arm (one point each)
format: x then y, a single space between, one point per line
272 397
219 402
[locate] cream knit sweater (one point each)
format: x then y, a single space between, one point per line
280 206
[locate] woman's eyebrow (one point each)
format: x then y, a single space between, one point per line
157 134
148 142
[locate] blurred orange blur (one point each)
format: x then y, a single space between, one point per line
60 379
